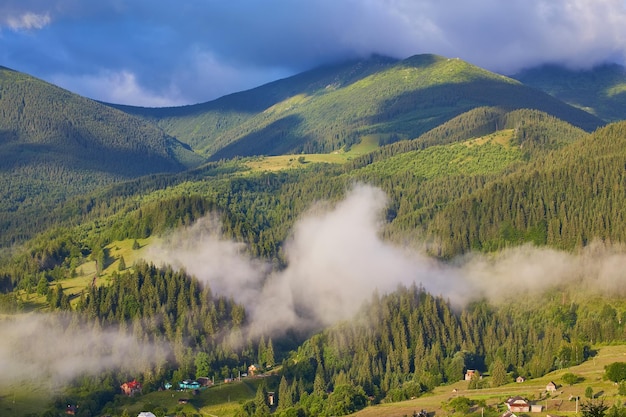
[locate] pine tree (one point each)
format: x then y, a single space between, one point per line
122 265
319 384
261 352
285 399
498 373
269 354
260 401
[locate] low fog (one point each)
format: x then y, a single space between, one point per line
51 350
336 259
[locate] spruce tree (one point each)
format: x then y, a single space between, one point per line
498 373
285 399
260 401
122 265
269 354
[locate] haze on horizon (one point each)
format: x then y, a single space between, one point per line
159 53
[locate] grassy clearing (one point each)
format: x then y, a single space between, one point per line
86 272
21 399
220 400
277 163
501 137
556 403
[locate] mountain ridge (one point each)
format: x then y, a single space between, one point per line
396 99
600 90
55 144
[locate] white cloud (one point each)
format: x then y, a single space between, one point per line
120 87
26 21
336 259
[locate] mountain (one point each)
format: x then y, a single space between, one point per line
600 90
323 110
283 252
565 199
54 144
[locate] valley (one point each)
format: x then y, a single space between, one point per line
364 232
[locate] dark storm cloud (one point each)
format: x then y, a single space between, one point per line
163 52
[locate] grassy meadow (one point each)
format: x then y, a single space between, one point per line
560 403
281 162
224 400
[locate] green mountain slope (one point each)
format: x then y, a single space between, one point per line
600 91
567 199
54 144
325 109
466 194
41 122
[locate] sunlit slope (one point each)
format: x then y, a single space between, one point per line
567 199
325 109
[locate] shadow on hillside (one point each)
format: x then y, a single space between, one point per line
52 157
277 138
416 112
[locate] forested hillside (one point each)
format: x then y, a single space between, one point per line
470 167
55 144
326 109
566 200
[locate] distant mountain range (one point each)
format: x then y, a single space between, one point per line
600 91
55 144
325 109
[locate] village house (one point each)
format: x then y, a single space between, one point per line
536 408
131 388
518 405
205 381
508 414
470 374
253 369
551 387
189 384
520 379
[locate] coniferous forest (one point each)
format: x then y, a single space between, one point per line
496 214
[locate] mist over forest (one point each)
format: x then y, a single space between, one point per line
353 238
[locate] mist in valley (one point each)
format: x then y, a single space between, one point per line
336 259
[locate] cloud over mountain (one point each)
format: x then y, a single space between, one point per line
163 53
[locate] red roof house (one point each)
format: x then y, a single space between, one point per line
131 388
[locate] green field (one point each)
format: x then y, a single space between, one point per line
224 399
556 403
219 400
277 163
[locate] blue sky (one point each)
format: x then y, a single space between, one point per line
166 52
